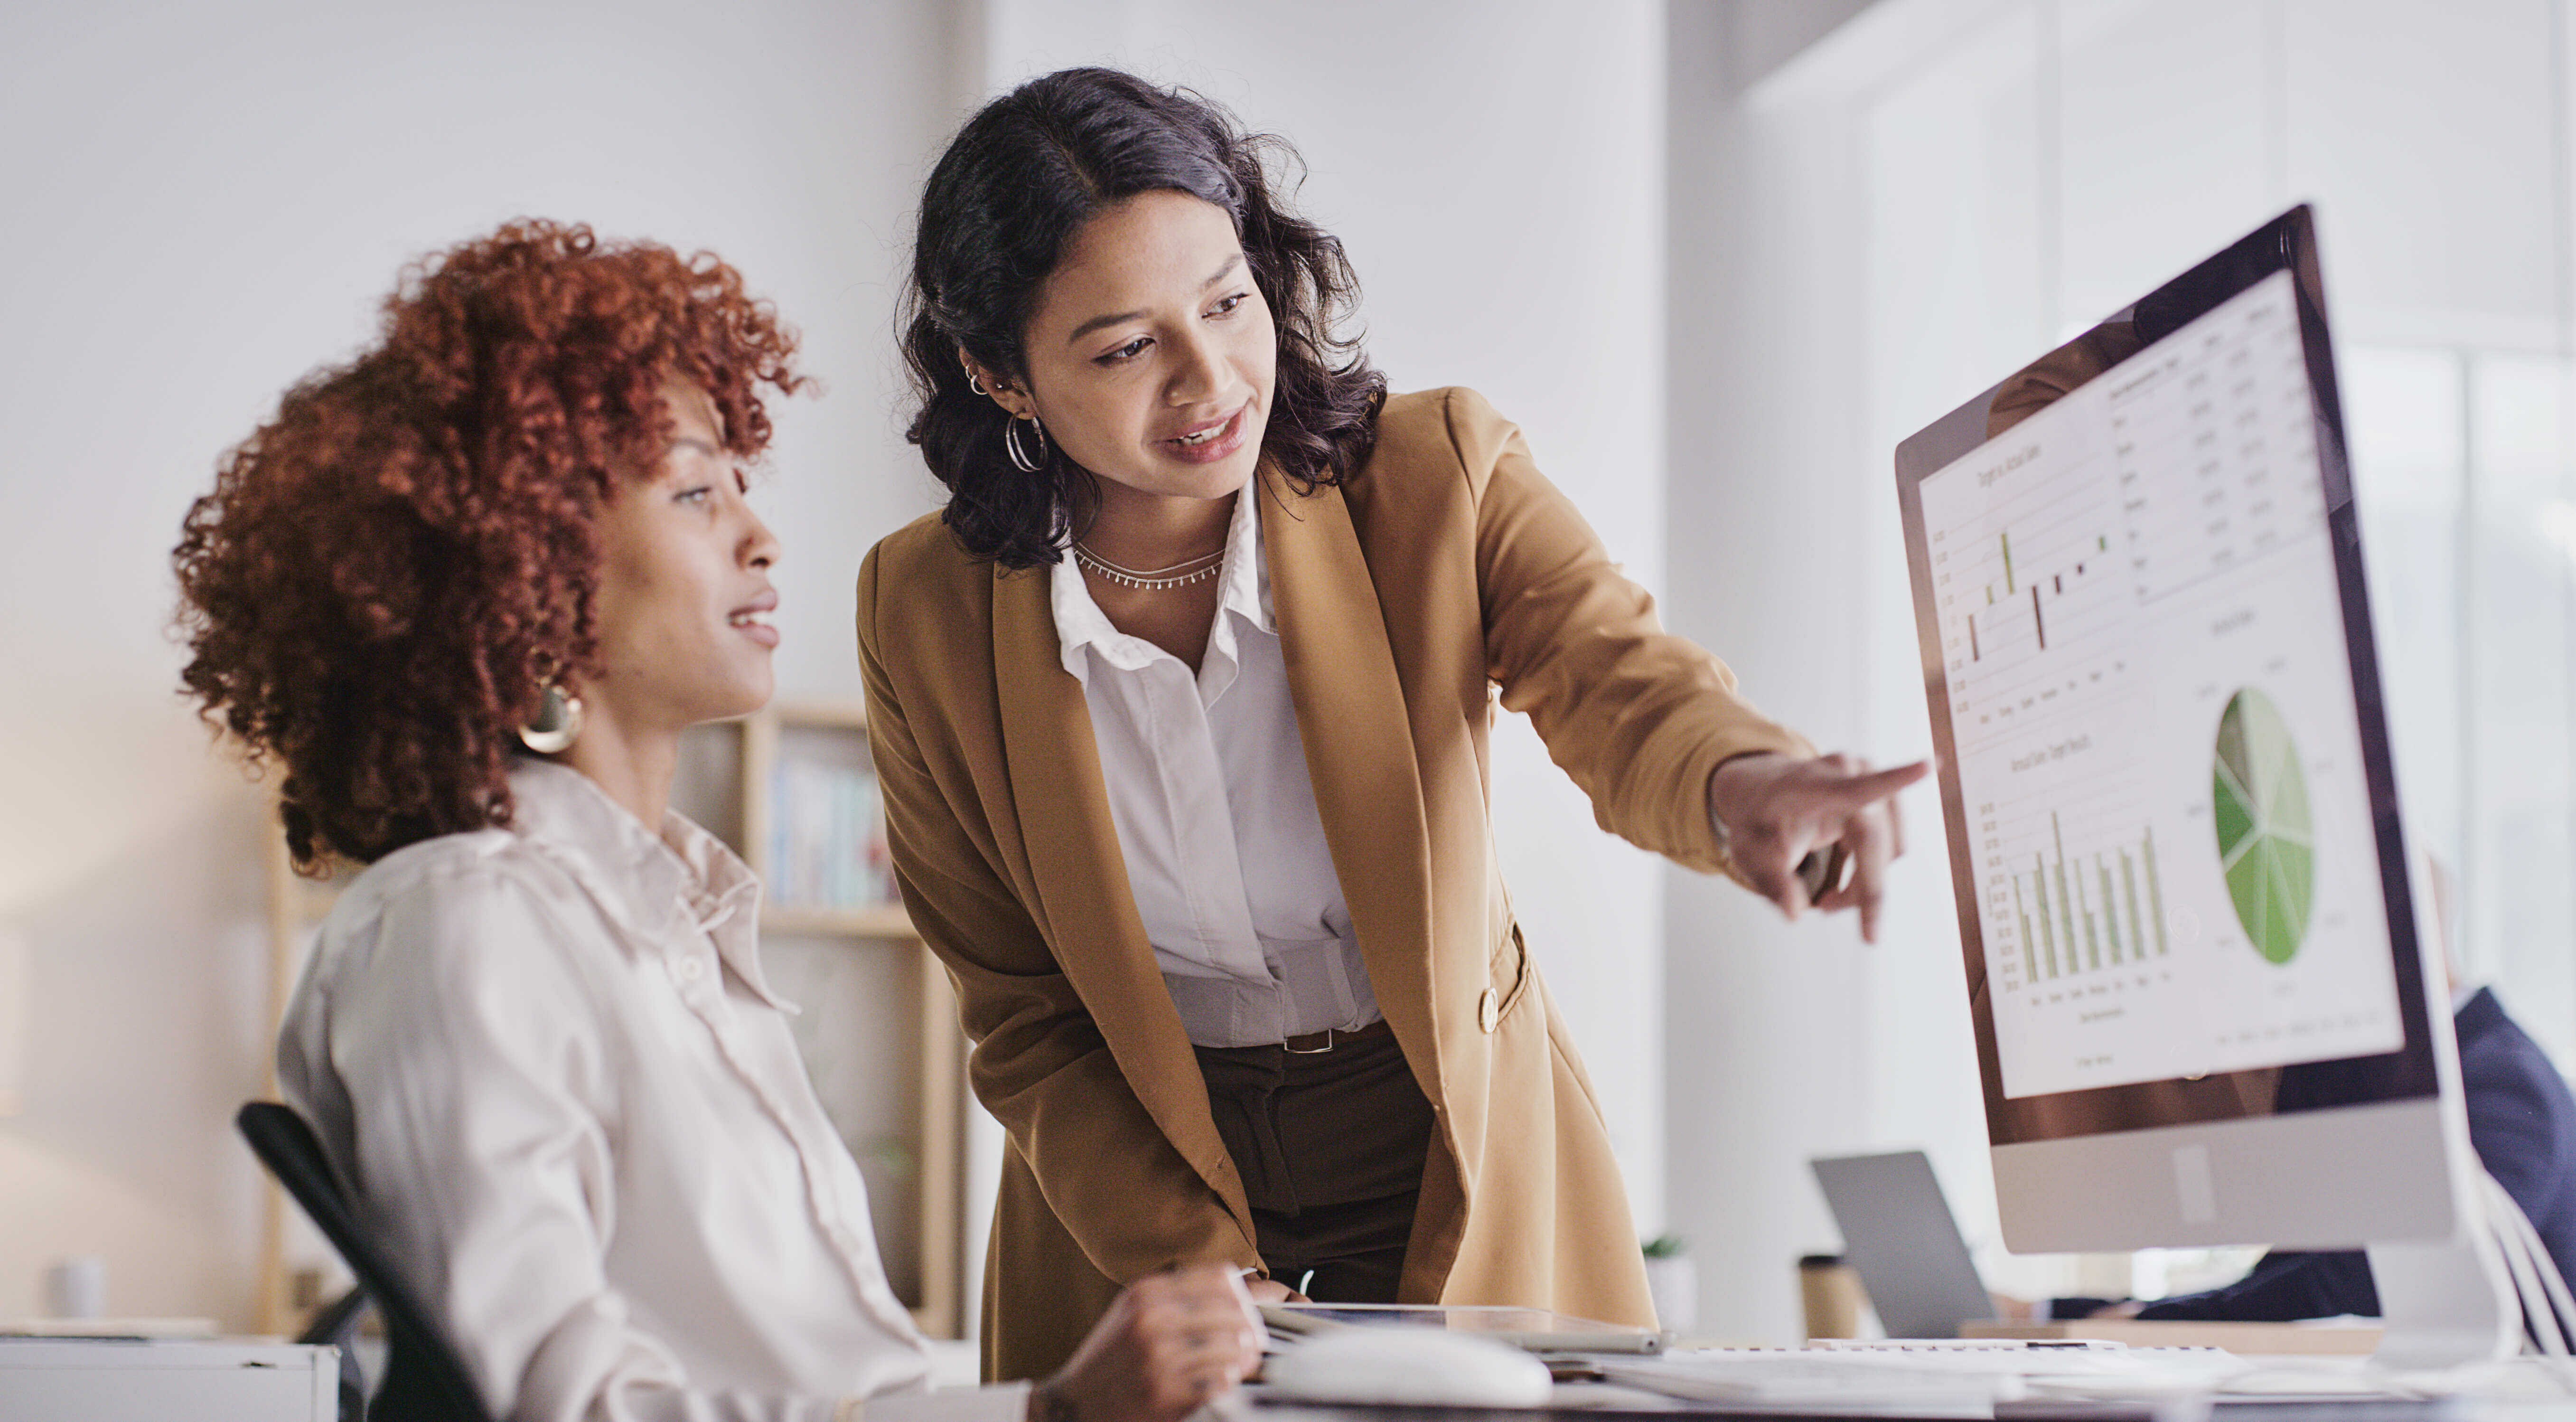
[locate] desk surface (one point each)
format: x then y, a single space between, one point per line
155 1380
2116 1385
2453 1410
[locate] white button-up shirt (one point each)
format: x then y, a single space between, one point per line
1215 814
546 1061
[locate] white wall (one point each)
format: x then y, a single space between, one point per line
1913 207
1769 1057
205 203
1495 170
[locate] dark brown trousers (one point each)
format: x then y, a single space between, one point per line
1330 1146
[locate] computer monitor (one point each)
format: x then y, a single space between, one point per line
2192 944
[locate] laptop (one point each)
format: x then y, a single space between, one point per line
1900 1237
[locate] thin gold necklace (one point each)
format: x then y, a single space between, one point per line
1179 575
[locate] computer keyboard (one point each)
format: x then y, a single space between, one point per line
1970 1378
1797 1381
1923 1379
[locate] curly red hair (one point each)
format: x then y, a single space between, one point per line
388 571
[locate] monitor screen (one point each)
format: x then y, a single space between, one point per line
2172 817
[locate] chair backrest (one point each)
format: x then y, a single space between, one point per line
424 1378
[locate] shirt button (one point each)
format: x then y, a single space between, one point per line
1489 1010
692 969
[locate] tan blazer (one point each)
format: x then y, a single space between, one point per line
1445 569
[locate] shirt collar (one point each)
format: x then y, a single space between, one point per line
668 889
1079 622
1242 589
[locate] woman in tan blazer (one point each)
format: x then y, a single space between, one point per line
1124 350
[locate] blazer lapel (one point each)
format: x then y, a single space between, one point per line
1084 904
1356 729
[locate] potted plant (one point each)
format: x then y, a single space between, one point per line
1673 1282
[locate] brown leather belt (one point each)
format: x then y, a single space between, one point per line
1314 1042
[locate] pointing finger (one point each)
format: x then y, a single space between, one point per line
1871 876
1877 785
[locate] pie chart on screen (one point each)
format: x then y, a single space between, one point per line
2265 843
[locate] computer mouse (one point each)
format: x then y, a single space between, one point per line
1405 1365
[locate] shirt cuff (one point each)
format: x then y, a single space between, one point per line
1002 1402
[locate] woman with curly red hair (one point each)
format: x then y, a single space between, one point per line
469 589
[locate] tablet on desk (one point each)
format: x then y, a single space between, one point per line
1535 1329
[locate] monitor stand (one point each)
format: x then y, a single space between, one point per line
2445 1303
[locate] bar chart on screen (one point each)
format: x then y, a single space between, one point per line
2070 864
2024 595
2122 918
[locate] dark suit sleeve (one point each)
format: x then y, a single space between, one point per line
2522 1120
2282 1286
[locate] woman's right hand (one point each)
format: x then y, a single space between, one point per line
1169 1344
1773 810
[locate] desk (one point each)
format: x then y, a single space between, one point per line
1660 1408
2188 1387
167 1380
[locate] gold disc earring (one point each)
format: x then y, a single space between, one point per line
557 725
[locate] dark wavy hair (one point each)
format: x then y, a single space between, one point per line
389 568
1015 184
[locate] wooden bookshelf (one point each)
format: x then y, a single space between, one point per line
876 921
292 913
728 771
296 907
747 755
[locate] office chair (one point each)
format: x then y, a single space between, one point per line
424 1379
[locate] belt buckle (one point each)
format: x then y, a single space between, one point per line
1310 1051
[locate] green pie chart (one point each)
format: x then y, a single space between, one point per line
2264 840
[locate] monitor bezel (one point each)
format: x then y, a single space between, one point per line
2287 243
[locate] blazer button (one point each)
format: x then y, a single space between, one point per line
1489 1010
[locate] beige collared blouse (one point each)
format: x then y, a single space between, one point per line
547 1062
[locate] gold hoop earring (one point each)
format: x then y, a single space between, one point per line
1021 459
557 725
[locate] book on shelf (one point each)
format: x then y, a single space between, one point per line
827 837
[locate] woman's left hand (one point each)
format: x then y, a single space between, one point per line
1169 1343
1269 1291
1775 810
